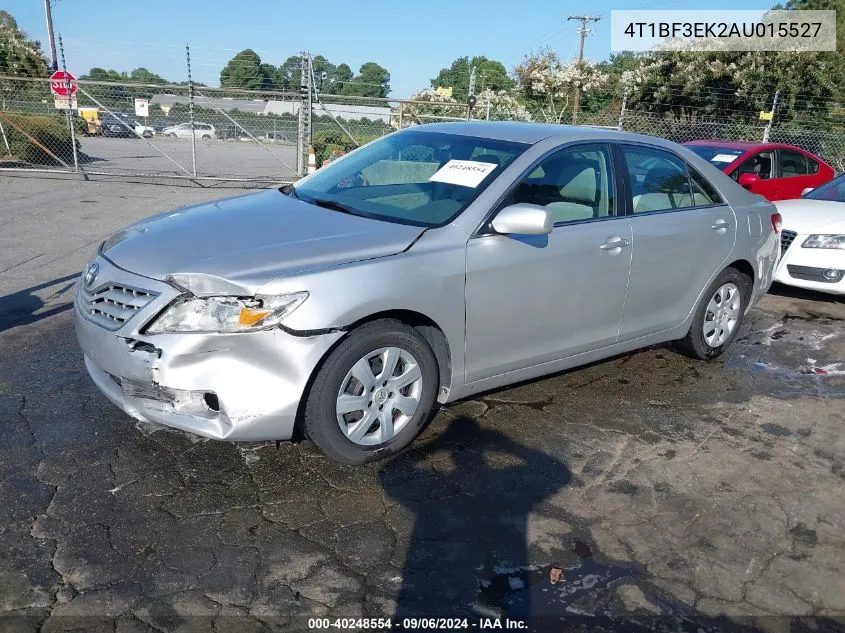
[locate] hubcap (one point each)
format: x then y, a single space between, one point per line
379 396
723 312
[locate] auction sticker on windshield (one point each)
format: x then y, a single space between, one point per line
464 173
724 158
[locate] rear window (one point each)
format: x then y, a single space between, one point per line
721 157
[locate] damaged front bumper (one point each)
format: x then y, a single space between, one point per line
244 386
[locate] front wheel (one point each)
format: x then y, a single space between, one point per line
374 393
172 135
718 316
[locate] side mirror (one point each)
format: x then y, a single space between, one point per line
748 179
523 219
806 190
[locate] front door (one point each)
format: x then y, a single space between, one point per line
762 164
683 233
536 299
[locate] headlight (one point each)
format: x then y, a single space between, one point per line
226 314
825 241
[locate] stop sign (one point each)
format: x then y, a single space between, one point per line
59 83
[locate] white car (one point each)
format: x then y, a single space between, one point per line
813 239
147 131
183 130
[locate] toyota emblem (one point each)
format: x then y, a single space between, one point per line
90 274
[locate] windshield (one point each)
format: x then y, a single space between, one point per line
833 190
418 178
721 157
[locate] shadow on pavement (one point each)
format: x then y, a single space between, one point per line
20 308
476 527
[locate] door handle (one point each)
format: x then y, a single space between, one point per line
614 243
721 225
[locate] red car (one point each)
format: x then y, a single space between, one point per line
774 170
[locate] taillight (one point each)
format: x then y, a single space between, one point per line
777 222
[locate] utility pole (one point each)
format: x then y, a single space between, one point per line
52 39
768 128
582 31
303 136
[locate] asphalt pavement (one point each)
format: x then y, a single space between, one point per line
646 492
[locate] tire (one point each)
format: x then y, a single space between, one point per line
720 332
367 439
172 135
206 137
147 135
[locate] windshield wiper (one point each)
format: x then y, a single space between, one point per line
331 204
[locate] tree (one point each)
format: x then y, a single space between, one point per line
342 75
19 55
144 76
834 59
270 77
548 82
243 71
289 73
372 80
488 74
692 85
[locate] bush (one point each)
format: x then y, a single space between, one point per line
327 141
49 130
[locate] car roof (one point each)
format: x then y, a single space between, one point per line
531 133
744 145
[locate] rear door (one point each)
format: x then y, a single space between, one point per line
795 173
683 232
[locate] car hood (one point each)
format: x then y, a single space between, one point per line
812 216
243 242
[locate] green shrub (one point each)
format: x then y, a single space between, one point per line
51 131
327 141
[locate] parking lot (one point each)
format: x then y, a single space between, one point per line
660 493
217 158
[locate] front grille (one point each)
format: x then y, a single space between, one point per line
786 238
112 305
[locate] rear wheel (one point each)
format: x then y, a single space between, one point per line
374 394
206 137
718 316
172 135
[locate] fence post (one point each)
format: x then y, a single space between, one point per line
623 108
69 108
5 140
767 130
191 111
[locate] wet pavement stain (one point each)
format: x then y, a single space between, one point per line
775 429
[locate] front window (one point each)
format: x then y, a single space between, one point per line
418 178
574 184
833 191
720 157
759 165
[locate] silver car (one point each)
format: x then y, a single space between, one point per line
427 266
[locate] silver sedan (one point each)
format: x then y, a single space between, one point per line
427 266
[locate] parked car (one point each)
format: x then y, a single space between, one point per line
122 125
147 131
813 239
774 170
429 265
183 130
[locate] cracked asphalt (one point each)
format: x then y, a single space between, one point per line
666 494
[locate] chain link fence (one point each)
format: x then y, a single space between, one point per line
210 135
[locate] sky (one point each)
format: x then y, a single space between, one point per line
413 40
